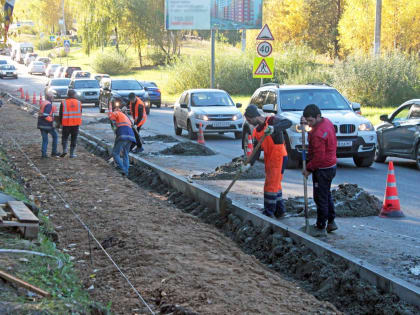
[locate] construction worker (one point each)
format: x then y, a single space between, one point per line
45 124
71 119
275 157
124 137
322 157
138 111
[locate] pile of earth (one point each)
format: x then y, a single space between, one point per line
162 138
349 201
188 148
229 170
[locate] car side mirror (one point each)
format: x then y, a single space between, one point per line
384 118
356 107
238 105
269 108
146 88
184 105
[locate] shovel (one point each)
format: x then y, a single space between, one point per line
305 179
223 200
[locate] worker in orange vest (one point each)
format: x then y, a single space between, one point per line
45 124
71 119
138 111
124 137
275 157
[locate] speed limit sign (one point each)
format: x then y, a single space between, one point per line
264 49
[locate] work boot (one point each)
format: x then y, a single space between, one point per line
268 214
64 150
72 154
279 214
54 154
138 150
331 227
315 231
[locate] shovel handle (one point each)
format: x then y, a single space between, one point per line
305 180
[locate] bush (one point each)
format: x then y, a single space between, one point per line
378 81
26 29
44 44
60 52
112 62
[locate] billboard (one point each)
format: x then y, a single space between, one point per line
216 14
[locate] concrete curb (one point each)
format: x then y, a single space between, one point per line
375 276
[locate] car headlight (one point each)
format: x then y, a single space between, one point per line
147 103
297 128
14 72
366 127
53 92
237 117
201 117
117 103
79 93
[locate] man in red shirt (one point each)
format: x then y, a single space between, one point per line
322 156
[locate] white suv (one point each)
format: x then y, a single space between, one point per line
356 136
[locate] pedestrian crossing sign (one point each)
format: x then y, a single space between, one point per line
263 67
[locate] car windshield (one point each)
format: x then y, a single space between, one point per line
148 84
24 50
211 99
297 100
54 66
82 74
38 63
7 67
86 84
126 85
60 82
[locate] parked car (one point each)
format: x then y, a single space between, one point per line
8 71
153 91
45 60
356 136
87 90
399 134
68 71
3 62
56 89
58 72
49 72
5 51
214 109
36 67
29 58
80 75
115 91
100 76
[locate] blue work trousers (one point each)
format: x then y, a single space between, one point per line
44 134
122 147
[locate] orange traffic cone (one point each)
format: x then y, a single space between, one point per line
40 98
27 97
391 206
250 146
200 139
34 99
22 95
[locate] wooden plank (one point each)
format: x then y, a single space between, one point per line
22 212
17 224
21 283
2 214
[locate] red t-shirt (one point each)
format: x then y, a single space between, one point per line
322 149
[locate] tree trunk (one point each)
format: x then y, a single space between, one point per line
116 39
140 57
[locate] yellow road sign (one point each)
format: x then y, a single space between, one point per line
263 67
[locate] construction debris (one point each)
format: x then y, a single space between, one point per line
188 148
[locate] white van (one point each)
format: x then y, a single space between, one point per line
22 50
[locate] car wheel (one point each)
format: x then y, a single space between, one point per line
158 105
96 104
101 109
16 76
191 134
379 156
365 161
178 131
221 133
1 77
238 135
148 110
418 156
291 162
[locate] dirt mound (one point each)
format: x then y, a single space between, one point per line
162 138
188 148
349 200
229 170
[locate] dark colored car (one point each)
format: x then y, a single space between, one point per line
399 134
87 90
153 91
115 92
68 71
56 89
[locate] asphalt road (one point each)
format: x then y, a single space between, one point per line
394 245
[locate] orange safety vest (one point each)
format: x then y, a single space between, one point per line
121 120
273 153
48 118
72 112
135 111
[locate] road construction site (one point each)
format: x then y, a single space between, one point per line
327 277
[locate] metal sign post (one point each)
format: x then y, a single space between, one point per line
212 68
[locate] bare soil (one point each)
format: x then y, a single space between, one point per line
170 256
188 148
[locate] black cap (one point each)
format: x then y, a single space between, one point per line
252 111
131 96
71 93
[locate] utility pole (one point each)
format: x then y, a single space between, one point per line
63 20
243 40
378 20
212 66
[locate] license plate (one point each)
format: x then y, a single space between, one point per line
9 75
345 143
220 124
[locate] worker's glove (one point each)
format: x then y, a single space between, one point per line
245 168
269 130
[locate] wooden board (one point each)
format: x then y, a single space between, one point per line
21 283
22 212
2 214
